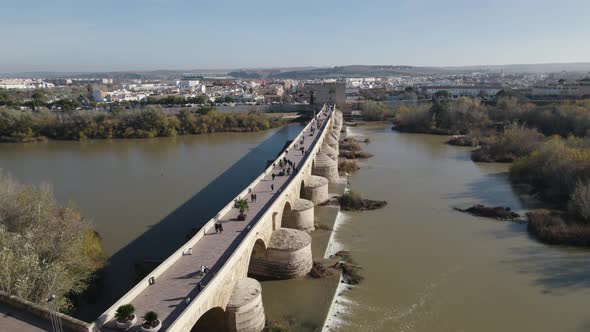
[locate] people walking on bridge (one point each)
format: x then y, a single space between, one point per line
220 228
216 227
272 187
273 176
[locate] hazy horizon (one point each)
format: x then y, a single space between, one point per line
147 35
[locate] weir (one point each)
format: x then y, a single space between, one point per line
270 242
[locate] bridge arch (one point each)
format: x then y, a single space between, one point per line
215 319
256 261
286 214
301 188
259 249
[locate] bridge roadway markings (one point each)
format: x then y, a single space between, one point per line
167 296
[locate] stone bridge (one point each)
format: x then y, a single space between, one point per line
272 242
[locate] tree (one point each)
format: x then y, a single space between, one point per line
440 106
45 248
39 98
242 206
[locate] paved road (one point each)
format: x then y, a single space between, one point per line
167 296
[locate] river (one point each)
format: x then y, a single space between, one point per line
144 195
430 268
426 267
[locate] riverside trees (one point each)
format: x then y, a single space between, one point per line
146 123
45 248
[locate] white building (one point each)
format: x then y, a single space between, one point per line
464 91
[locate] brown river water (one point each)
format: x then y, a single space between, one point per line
430 268
426 267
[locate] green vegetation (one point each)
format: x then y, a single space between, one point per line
242 206
443 116
45 248
352 201
66 99
349 148
125 312
347 166
146 123
373 111
175 100
549 145
515 141
150 319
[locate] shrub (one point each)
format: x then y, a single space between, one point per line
150 319
347 166
125 312
351 200
551 228
45 248
555 168
514 142
373 111
414 119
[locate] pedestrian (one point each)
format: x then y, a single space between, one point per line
252 197
273 176
216 228
220 228
272 187
199 286
255 197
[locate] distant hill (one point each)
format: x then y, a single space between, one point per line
315 72
362 71
531 68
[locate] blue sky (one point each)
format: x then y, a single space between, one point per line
84 35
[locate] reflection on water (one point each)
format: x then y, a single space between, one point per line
429 268
144 196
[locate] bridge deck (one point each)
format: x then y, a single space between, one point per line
167 296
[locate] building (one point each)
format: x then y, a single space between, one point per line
563 89
326 93
464 91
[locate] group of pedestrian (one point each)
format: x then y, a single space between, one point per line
254 197
218 227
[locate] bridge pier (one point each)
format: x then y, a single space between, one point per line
326 167
245 312
301 216
287 256
331 141
329 151
316 189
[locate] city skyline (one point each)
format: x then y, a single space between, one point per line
154 34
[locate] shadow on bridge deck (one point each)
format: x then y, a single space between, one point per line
160 240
